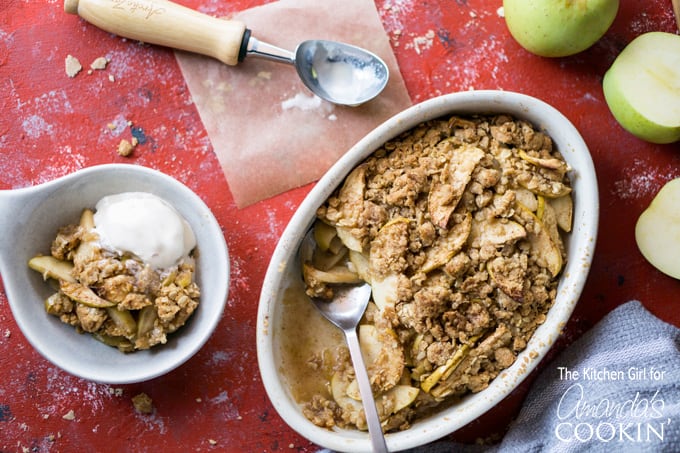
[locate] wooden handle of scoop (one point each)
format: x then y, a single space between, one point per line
676 9
167 24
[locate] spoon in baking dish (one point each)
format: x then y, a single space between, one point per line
337 72
345 310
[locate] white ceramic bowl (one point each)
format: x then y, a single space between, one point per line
37 213
284 267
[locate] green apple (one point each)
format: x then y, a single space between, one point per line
657 231
558 28
642 87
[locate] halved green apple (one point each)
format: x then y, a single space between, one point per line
657 231
642 87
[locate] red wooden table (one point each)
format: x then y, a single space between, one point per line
52 125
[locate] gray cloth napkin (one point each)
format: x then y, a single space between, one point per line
617 388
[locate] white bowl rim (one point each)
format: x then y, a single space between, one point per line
573 148
156 361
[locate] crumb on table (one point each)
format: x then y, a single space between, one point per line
73 66
99 63
126 147
142 403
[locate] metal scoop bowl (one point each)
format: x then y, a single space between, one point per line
339 73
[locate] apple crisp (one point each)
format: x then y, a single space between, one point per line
457 225
119 299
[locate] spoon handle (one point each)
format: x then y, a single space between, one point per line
372 419
167 24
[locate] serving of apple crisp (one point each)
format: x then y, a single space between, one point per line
457 225
127 300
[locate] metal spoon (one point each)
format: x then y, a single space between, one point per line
345 311
337 72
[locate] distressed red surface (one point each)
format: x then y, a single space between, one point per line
52 125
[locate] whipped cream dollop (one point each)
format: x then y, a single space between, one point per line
143 225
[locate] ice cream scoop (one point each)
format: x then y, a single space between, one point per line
337 72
